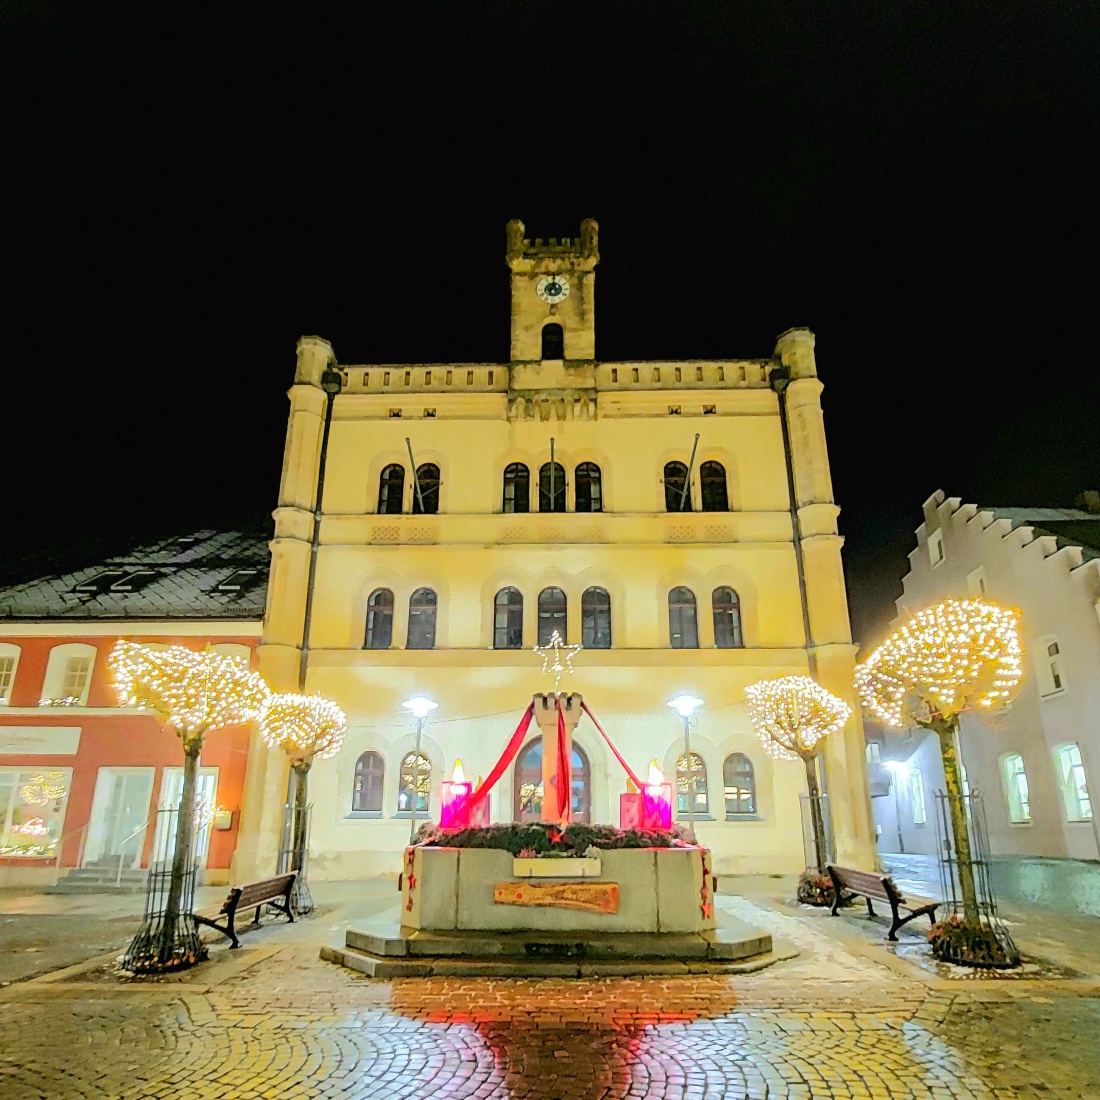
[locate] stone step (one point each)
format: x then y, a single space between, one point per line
375 966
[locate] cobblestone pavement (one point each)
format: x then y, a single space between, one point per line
846 1019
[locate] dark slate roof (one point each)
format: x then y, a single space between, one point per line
202 575
1070 526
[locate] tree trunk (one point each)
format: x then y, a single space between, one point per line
185 836
301 897
817 818
946 729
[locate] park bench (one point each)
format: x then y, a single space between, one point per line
253 896
849 883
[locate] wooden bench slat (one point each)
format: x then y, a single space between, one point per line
254 895
870 884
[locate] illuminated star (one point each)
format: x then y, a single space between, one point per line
553 654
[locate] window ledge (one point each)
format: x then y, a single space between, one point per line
408 815
1017 824
363 815
744 817
1078 820
696 817
1052 694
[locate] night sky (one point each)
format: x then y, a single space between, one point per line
187 190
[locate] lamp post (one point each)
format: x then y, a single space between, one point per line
897 768
686 706
419 707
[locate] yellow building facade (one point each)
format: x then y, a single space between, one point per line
470 508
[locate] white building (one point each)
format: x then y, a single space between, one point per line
1036 763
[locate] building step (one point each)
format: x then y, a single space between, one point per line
100 878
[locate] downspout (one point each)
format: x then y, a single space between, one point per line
331 382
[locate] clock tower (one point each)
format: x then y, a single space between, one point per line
553 294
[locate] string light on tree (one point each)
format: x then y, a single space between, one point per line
305 727
792 714
946 660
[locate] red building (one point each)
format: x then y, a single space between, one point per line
81 778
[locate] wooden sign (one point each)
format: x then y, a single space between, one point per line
594 897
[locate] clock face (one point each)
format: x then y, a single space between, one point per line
553 288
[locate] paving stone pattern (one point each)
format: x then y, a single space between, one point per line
291 1026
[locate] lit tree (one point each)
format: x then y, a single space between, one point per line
792 715
960 656
306 728
193 692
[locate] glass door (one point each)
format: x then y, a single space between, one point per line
171 791
119 810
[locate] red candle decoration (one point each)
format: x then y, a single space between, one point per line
454 808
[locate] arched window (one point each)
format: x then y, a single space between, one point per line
508 619
528 791
1049 668
596 619
416 783
589 488
916 797
391 490
379 620
712 480
552 487
421 620
691 785
366 794
739 781
1075 788
69 673
553 341
727 618
551 614
517 488
427 478
676 498
683 625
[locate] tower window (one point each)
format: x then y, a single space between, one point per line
674 410
408 377
614 374
385 378
596 619
469 378
740 374
552 487
508 619
679 375
656 374
379 633
490 377
712 476
449 378
553 341
1048 660
589 488
698 374
683 625
427 378
395 413
727 618
427 480
422 604
634 374
721 374
676 498
391 490
552 614
1019 800
517 488
709 410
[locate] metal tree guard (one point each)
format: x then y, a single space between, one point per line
156 949
809 846
988 917
294 849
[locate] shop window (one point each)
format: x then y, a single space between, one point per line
32 811
739 783
370 773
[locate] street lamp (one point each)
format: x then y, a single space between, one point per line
897 768
419 707
686 706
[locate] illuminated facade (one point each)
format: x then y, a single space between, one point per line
640 508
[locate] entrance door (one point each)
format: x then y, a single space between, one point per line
171 791
119 808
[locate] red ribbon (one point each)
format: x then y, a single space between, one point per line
618 756
565 775
501 766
